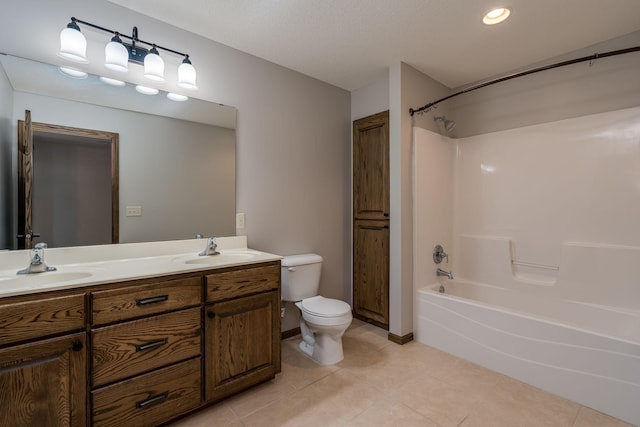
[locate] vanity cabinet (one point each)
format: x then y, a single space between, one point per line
139 352
43 361
146 351
242 328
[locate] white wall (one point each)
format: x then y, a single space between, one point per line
408 88
371 99
573 91
433 163
293 168
6 164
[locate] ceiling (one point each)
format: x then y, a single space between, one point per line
351 43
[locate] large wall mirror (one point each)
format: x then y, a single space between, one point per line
176 160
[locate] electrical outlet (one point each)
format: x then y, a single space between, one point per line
133 211
239 220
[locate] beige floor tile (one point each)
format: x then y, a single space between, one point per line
379 370
513 403
342 396
298 410
467 376
380 383
219 415
299 370
260 396
437 400
587 417
390 414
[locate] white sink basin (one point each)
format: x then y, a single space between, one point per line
39 279
224 257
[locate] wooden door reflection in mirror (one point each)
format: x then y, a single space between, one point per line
68 185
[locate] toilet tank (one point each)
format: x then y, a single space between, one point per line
300 276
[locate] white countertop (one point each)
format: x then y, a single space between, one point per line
93 265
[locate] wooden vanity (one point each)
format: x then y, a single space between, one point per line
138 352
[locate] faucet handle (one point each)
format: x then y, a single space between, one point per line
439 254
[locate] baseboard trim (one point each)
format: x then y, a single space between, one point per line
290 333
400 339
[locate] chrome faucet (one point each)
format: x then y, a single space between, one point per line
210 249
37 264
441 272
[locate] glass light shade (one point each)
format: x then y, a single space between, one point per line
176 97
187 76
116 57
113 82
147 90
154 66
73 45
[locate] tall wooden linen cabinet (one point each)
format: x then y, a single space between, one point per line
371 219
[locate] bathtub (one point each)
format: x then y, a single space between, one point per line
584 352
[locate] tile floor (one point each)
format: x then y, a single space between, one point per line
380 383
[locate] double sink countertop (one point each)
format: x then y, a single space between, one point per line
93 265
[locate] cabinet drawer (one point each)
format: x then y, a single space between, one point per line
127 303
127 349
20 321
149 399
245 281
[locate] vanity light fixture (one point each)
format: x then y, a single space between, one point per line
496 16
154 65
118 54
187 75
73 45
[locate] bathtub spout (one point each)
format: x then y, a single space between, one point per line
441 272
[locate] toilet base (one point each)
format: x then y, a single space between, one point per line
306 348
324 345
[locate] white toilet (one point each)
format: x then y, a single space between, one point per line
323 320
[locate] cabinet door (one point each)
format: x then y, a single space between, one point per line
371 167
371 272
242 343
44 383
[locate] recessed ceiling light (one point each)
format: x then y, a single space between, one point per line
147 90
176 97
113 82
496 16
72 72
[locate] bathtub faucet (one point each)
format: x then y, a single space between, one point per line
441 272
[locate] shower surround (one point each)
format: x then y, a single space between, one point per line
543 227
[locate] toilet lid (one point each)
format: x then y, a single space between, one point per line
325 307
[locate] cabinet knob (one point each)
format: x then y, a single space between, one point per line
211 314
76 346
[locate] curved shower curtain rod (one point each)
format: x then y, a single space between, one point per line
524 73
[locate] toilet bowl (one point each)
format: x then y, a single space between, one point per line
323 320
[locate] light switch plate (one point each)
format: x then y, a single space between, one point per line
133 211
239 220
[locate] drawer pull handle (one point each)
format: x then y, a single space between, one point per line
151 344
211 314
152 300
76 346
152 400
